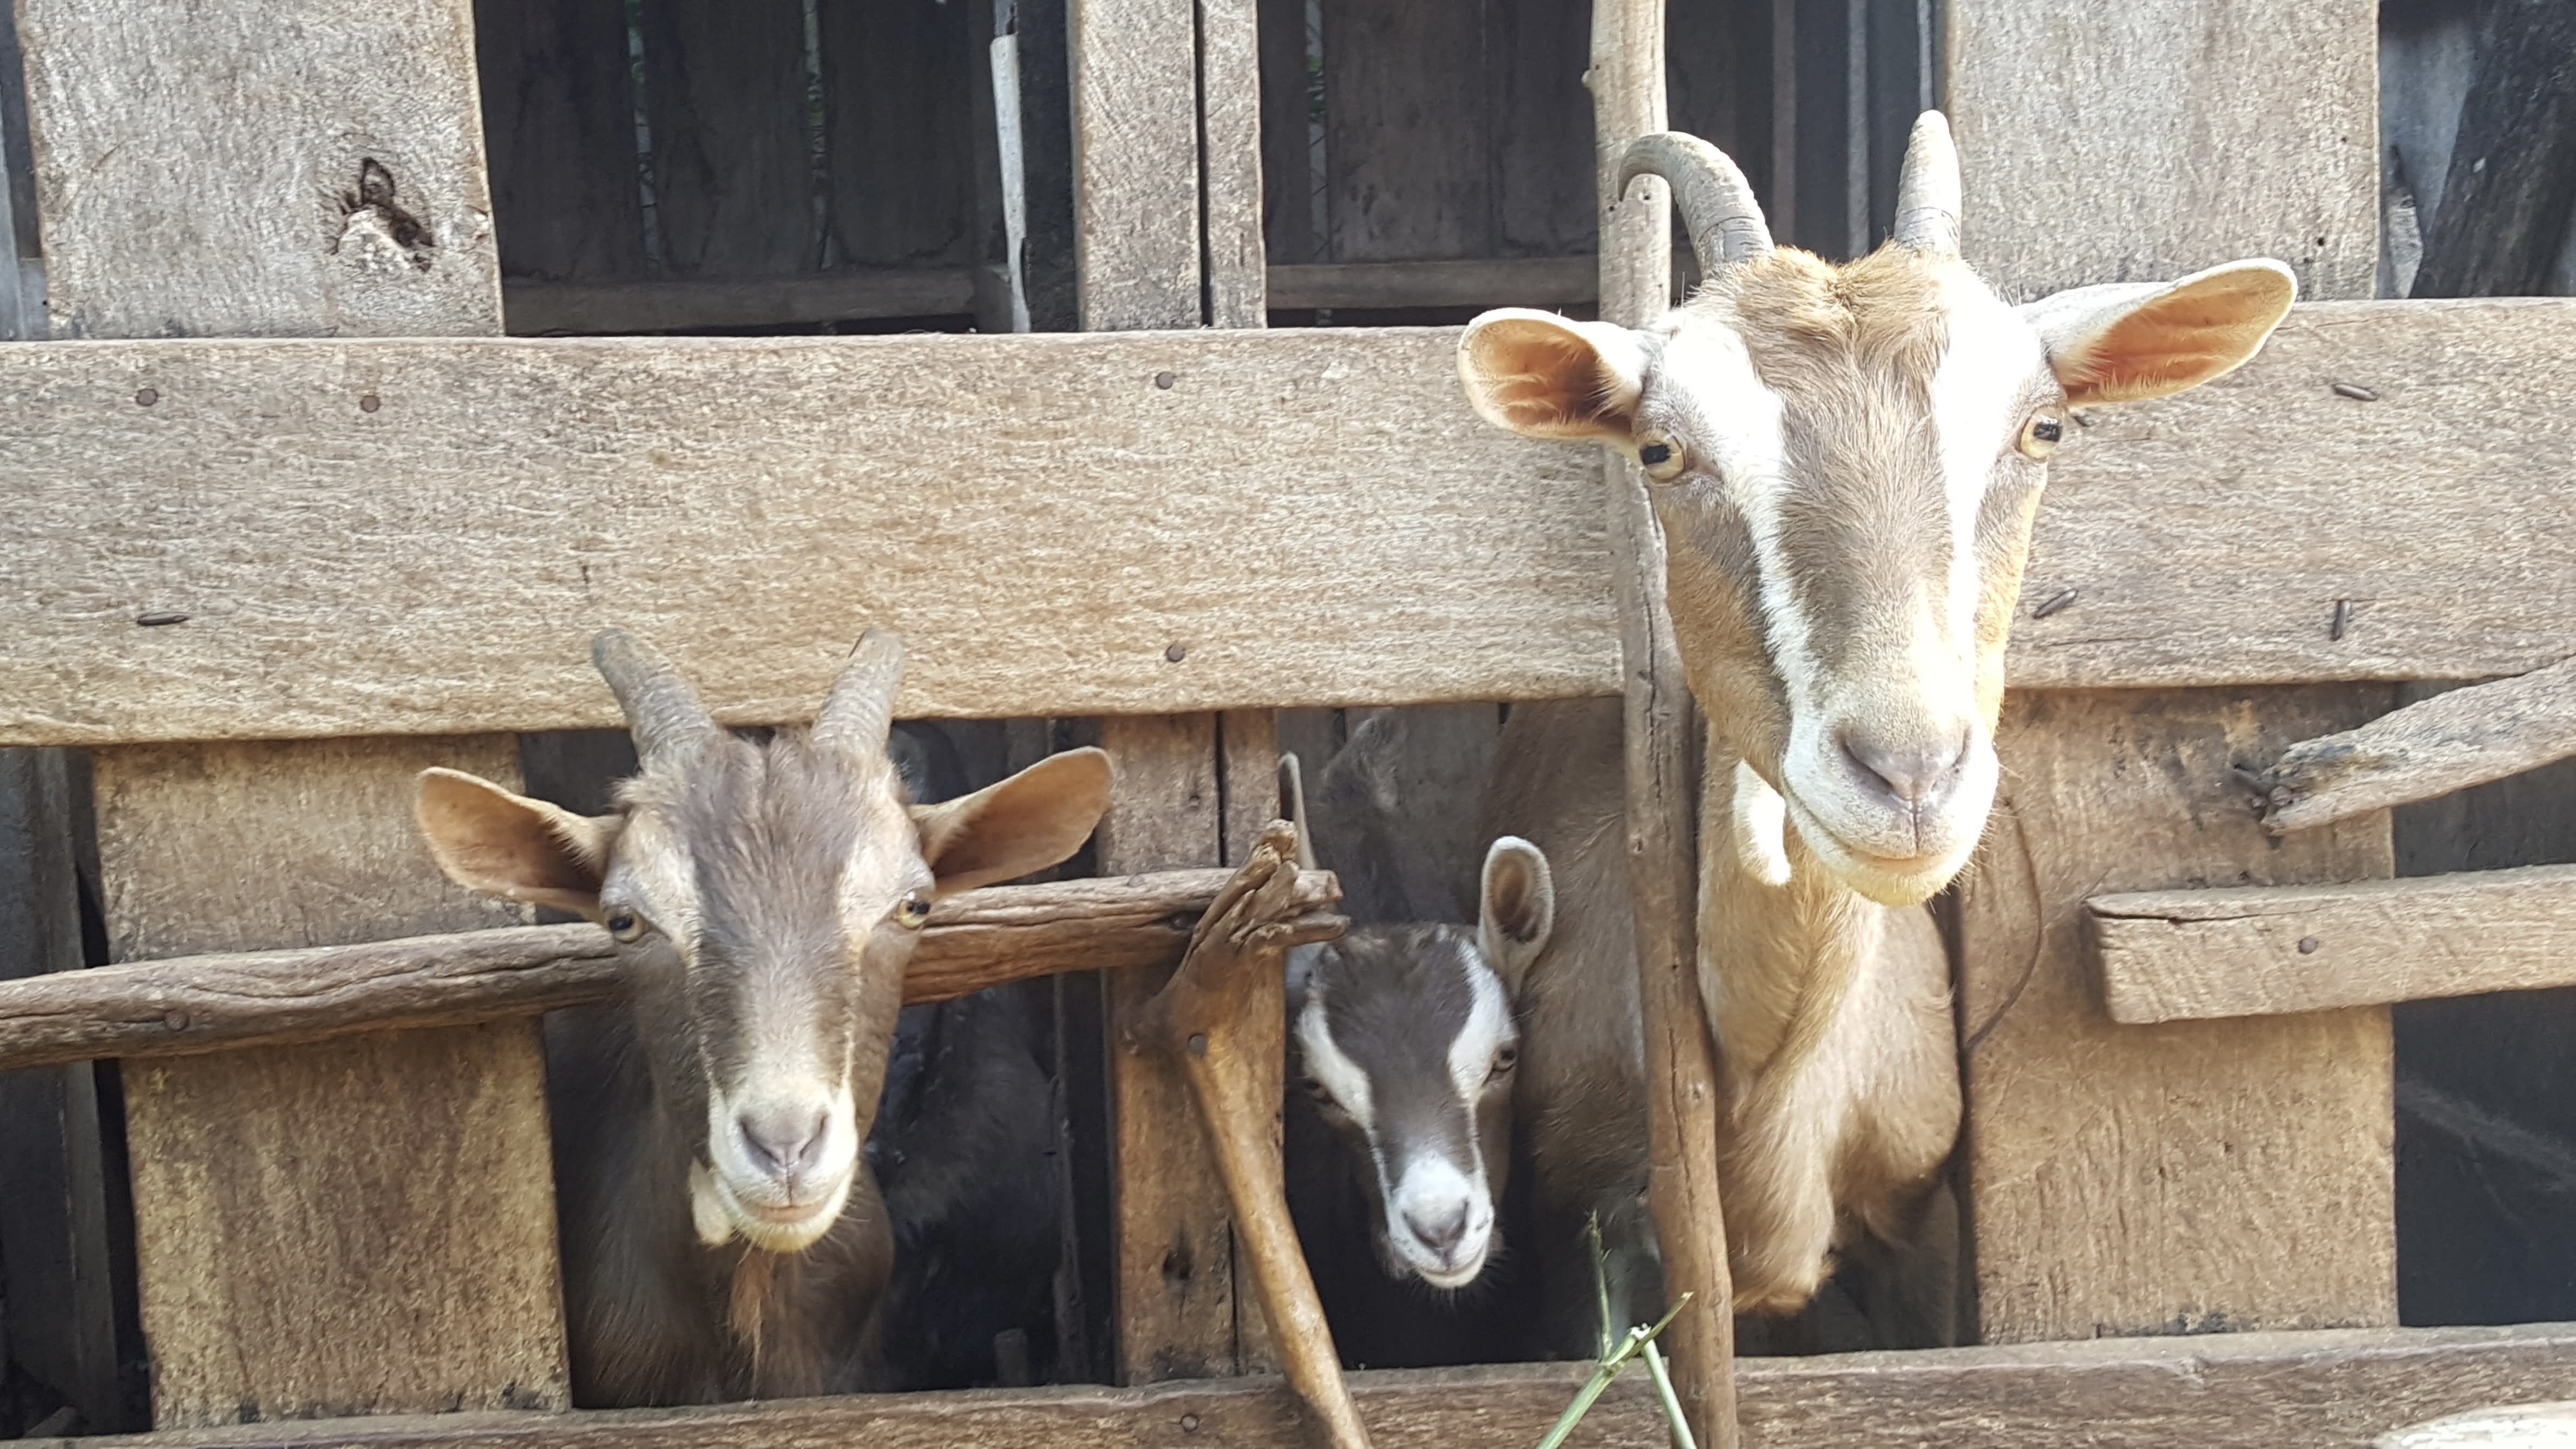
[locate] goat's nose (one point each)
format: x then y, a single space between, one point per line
1439 1229
1913 773
783 1139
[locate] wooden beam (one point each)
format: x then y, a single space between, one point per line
2329 1390
1473 282
2499 228
561 485
2280 950
1136 173
2450 742
190 1005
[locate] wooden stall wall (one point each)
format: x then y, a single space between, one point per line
2478 172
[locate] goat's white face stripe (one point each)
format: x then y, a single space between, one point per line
1471 1052
1339 1075
1977 395
1738 425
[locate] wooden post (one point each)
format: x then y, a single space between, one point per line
1627 80
367 1227
2149 1179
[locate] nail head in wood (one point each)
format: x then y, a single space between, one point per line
2055 603
146 397
369 403
1177 653
2307 945
1164 380
2356 392
158 617
175 1020
1198 1044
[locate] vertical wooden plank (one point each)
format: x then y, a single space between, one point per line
2150 140
1172 1240
307 209
559 119
733 178
1287 159
1135 162
2127 1180
1410 152
239 202
2150 1179
899 129
1538 112
1248 776
1230 110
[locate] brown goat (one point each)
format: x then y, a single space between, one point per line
722 1238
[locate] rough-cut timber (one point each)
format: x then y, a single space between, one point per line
190 1005
1136 162
311 209
2454 740
2133 1179
2334 1390
2205 132
2283 950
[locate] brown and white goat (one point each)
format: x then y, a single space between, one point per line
722 1238
1399 1132
1845 462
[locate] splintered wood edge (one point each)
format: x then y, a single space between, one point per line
2188 955
2429 749
188 1005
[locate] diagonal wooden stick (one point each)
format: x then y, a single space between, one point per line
1198 1019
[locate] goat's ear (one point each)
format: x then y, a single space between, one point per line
506 845
1542 376
2130 341
1518 909
1027 822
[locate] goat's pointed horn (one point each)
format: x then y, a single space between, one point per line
1927 190
661 709
860 711
1718 210
1292 803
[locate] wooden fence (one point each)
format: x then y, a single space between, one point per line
289 517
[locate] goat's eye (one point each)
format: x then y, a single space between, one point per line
626 926
913 911
2040 434
1506 1059
1663 456
1318 1091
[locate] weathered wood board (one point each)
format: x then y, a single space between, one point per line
2283 950
2332 1390
1135 162
2455 740
2205 132
435 565
198 214
2130 1179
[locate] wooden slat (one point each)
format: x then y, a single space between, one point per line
2277 950
899 130
1473 282
2333 1390
1135 163
724 94
1229 40
577 308
1248 778
1538 110
559 117
2144 1179
559 485
2454 740
191 1005
2157 138
200 215
1406 141
1171 1234
2500 229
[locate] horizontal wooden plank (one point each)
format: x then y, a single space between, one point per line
1302 517
2274 950
1153 523
188 1005
2330 1390
537 309
2450 742
1477 282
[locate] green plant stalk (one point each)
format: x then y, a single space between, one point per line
1637 1341
1672 1401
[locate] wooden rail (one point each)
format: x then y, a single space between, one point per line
2179 955
2323 1390
189 1005
2449 742
320 538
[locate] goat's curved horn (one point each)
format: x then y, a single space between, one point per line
1927 190
661 709
1717 205
860 711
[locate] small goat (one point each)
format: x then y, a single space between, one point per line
1845 462
1399 1132
722 1238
